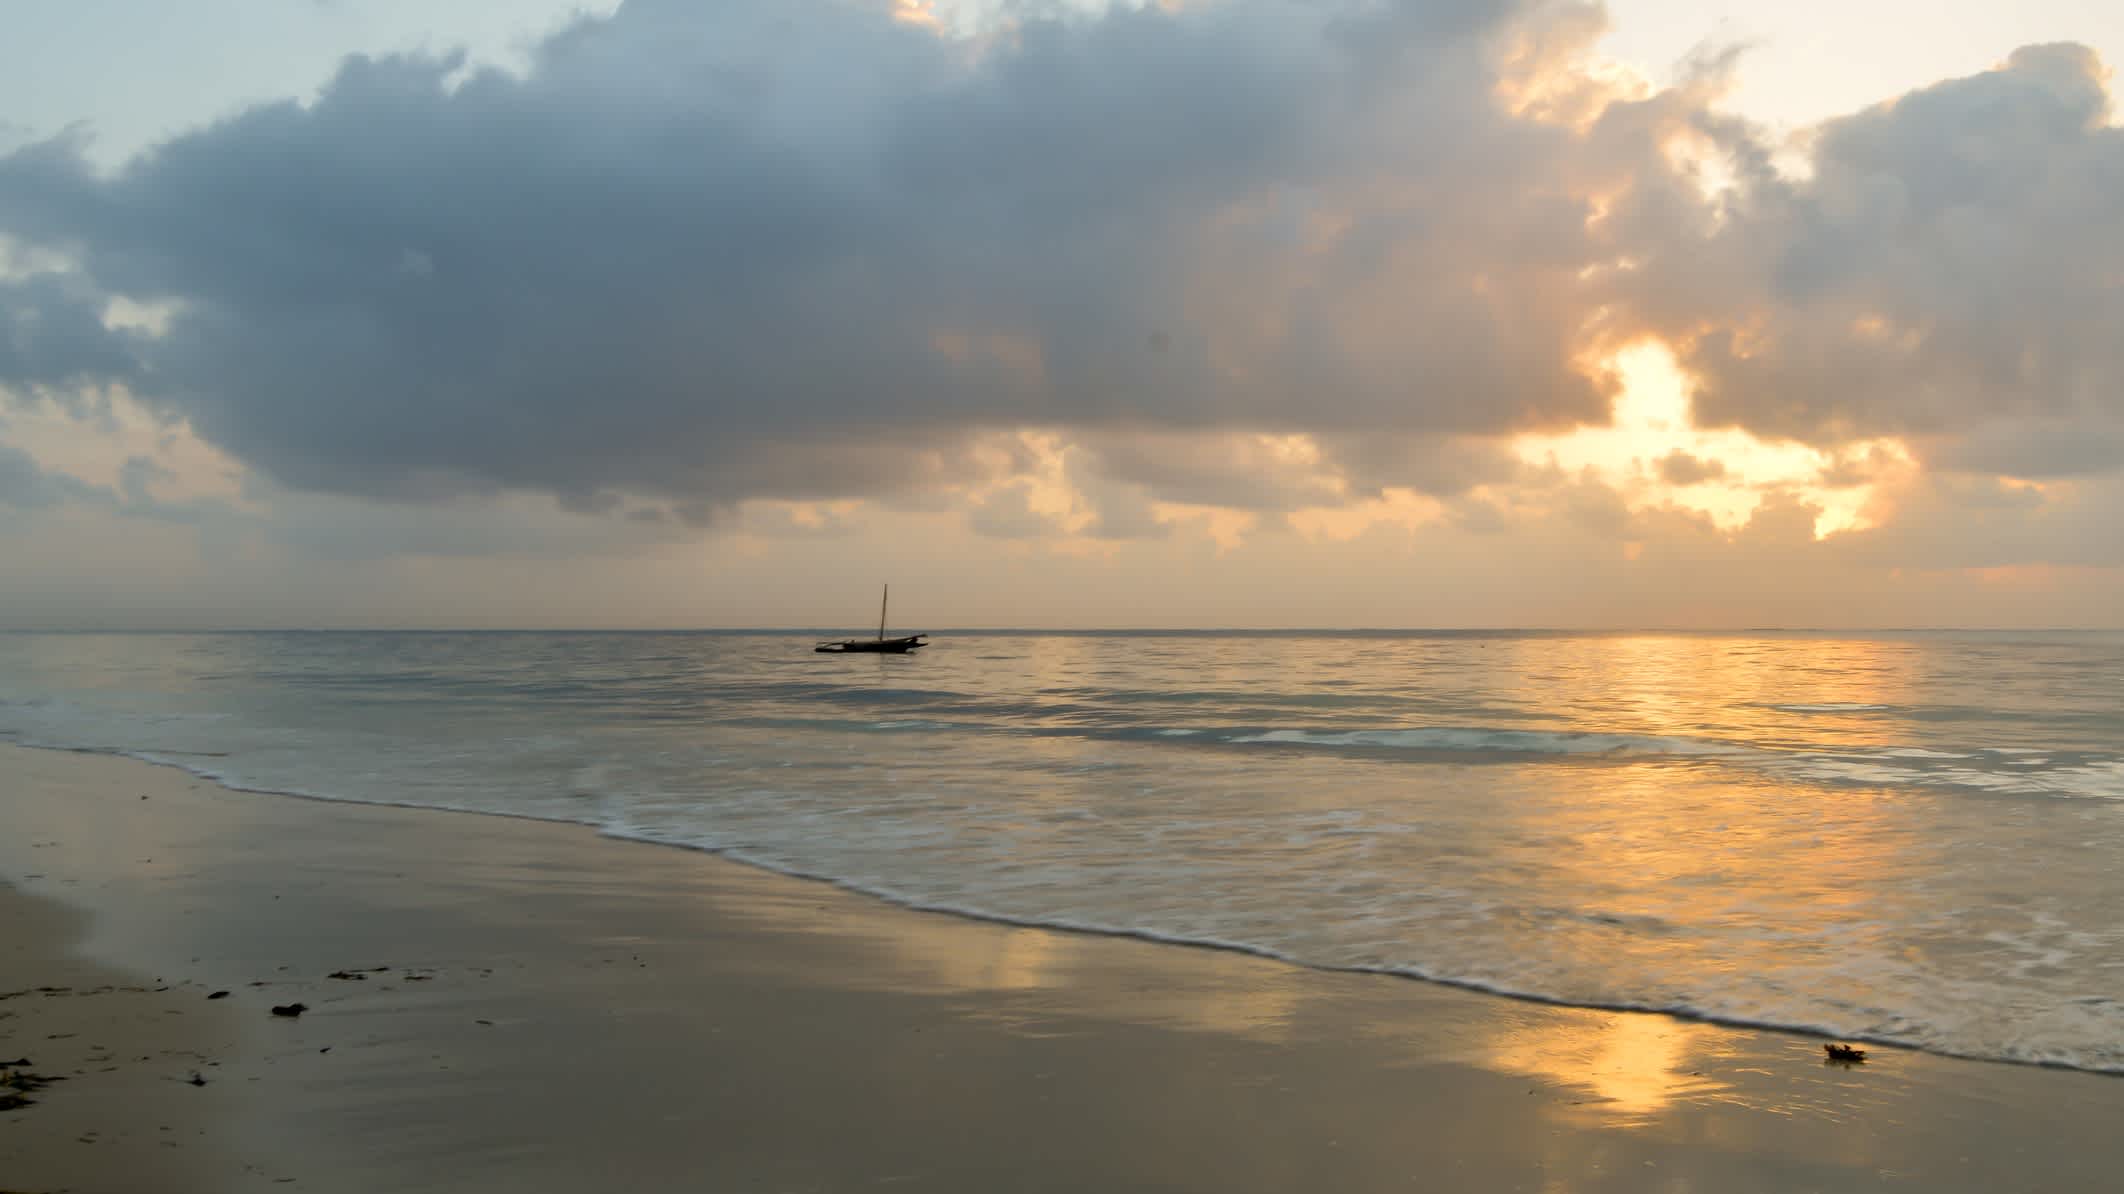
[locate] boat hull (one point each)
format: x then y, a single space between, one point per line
871 646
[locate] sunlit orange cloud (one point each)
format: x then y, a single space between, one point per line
1654 455
1225 527
1550 73
1394 507
917 12
1030 459
820 515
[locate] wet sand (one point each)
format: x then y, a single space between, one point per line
530 1007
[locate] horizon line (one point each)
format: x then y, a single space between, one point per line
1069 630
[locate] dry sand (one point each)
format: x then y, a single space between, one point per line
540 1009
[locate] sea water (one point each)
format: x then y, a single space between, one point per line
1905 837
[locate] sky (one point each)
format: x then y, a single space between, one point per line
1346 313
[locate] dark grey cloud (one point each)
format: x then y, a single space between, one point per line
1680 468
2035 449
53 340
1949 272
789 248
1438 465
1241 471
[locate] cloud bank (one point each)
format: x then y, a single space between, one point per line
802 250
799 249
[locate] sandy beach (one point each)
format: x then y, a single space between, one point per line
529 1007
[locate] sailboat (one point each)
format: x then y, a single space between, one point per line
873 646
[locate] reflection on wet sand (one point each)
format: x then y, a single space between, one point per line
1630 1065
941 954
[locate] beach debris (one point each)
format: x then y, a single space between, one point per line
290 1010
358 973
219 995
1845 1054
16 1085
195 1079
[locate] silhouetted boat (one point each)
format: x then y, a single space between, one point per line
873 646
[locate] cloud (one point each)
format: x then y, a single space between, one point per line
2034 448
25 485
1680 468
1952 522
53 340
1233 470
1952 271
800 250
729 264
31 488
1008 514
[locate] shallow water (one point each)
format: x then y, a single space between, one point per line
1912 837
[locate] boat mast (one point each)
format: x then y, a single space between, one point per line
881 612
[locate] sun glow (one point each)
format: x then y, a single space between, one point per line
1654 455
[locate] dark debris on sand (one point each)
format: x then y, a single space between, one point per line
16 1085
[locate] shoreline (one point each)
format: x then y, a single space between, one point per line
894 900
562 1008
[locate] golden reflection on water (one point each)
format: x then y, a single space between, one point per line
1745 689
1634 871
1711 847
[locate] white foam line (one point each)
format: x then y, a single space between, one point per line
1679 1010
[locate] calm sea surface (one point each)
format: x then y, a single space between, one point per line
1915 838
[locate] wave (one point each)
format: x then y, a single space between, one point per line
1441 740
1870 1025
2062 776
1464 740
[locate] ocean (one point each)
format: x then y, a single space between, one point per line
1914 837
